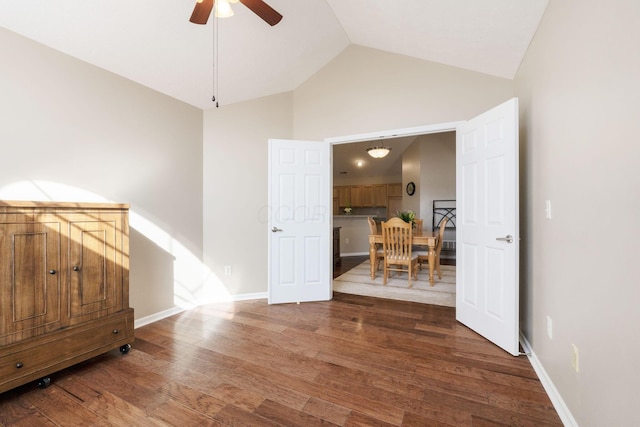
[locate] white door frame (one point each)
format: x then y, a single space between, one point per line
395 133
419 130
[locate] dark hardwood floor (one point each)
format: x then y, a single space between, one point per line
352 361
347 263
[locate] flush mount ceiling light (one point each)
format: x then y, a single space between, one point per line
378 152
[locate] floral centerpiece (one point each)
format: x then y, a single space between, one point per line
347 209
407 216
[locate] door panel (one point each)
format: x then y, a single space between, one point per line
31 278
94 259
299 198
487 187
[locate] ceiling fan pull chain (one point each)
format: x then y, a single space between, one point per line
215 58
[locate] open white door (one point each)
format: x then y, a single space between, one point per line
299 221
487 297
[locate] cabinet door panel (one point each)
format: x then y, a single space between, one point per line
95 276
394 190
380 195
344 196
30 277
356 196
367 196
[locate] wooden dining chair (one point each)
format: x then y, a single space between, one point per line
423 256
373 229
396 244
417 224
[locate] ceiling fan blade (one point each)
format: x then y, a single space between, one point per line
263 10
201 12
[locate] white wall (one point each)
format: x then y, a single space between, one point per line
73 132
235 192
579 90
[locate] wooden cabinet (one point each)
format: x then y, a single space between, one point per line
30 288
344 196
336 247
365 196
394 199
379 195
394 190
362 196
394 204
64 286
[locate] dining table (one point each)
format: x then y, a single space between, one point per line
419 238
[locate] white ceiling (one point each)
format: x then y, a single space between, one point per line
153 43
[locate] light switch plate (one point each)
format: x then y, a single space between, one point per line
547 209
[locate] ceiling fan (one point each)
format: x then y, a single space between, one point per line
203 9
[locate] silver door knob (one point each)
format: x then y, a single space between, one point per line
276 229
508 238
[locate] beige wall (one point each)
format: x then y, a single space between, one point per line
411 162
365 90
235 191
437 171
70 131
344 98
579 90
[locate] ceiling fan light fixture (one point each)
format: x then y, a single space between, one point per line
223 9
378 152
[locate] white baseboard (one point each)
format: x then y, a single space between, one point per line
355 254
244 297
138 323
558 403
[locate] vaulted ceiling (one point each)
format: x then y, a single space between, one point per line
153 43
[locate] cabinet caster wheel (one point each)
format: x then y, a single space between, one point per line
125 348
44 382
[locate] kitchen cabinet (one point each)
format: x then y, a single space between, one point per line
364 196
394 190
344 196
379 195
361 196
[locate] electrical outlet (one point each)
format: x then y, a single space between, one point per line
227 270
346 240
575 362
549 328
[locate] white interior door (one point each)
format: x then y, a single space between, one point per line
300 221
487 298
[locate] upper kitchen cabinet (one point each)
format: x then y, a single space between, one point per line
380 195
364 196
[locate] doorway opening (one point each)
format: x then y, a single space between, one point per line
424 156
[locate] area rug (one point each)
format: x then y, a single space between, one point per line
358 281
